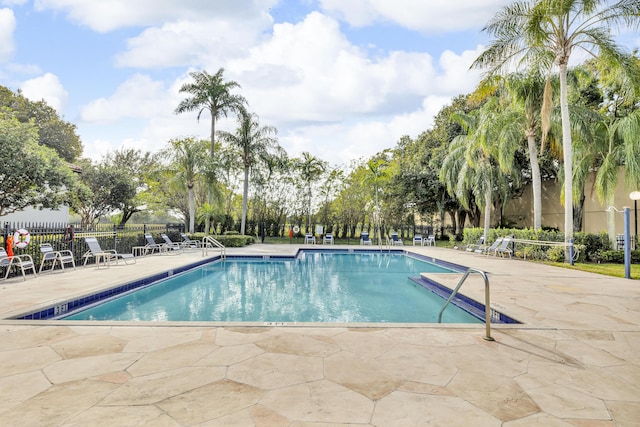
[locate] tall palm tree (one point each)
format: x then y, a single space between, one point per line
188 157
211 93
544 33
520 118
254 144
310 168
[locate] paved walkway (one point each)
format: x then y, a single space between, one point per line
573 362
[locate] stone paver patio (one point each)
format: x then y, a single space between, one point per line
575 360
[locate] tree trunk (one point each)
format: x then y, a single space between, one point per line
192 209
536 181
567 150
487 211
245 196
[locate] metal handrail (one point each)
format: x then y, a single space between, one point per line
487 302
208 241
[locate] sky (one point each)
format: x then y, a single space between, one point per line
341 79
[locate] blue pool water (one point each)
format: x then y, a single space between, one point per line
314 287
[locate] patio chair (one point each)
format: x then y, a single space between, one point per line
188 243
50 255
431 240
102 256
152 246
24 262
171 245
309 239
486 250
473 247
395 240
504 248
328 238
417 239
364 239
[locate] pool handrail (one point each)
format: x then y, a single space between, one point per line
210 241
487 302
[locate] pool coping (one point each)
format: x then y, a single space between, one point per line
61 309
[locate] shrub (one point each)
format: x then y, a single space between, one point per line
556 254
616 257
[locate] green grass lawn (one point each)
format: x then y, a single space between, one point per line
615 270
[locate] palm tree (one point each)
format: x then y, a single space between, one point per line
188 159
311 168
471 167
212 93
520 118
544 33
254 144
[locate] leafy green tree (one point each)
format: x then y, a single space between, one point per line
211 93
32 175
137 166
53 132
188 160
543 34
108 185
253 144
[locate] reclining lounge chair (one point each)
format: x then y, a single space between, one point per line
24 262
63 257
102 256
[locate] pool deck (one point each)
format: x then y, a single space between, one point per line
574 361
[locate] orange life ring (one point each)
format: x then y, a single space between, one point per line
21 238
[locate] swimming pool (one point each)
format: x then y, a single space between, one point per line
312 287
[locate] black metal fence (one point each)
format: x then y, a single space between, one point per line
63 236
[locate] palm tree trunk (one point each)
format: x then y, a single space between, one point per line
487 211
192 210
213 133
536 182
245 196
567 149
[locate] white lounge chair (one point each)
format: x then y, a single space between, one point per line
417 239
490 249
102 256
171 245
473 247
50 255
431 240
309 239
23 262
395 240
188 243
328 239
364 239
504 248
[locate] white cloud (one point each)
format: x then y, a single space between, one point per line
192 42
47 87
108 15
425 16
137 97
309 72
7 27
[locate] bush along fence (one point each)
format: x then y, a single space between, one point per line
63 236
